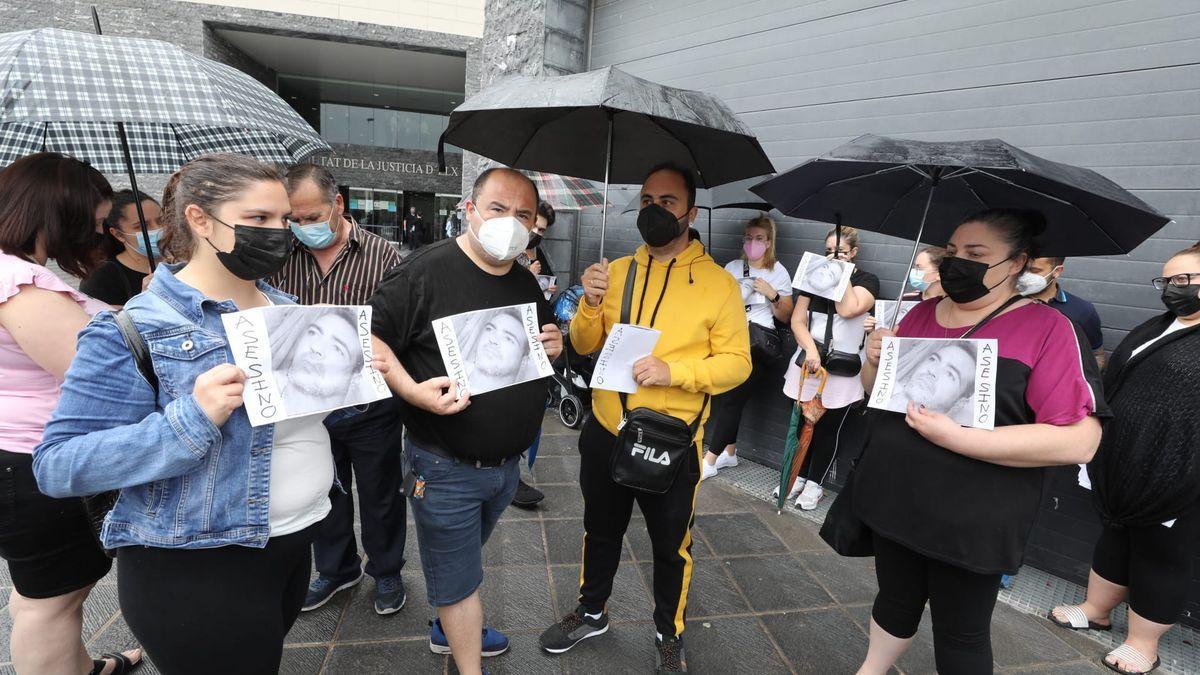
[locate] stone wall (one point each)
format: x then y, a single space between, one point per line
386 168
528 37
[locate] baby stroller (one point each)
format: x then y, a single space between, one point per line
569 391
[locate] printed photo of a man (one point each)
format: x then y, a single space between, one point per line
317 358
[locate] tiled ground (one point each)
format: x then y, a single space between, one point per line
768 597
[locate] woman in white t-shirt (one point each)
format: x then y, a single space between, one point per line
767 294
841 392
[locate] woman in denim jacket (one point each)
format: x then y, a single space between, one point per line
215 517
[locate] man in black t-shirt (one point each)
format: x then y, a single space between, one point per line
461 451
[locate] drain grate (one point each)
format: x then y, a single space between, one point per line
1033 591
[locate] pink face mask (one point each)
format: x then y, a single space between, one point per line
754 249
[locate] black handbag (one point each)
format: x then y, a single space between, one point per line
651 446
835 362
98 506
766 344
845 533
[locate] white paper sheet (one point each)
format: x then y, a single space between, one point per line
953 376
545 282
490 349
625 346
303 360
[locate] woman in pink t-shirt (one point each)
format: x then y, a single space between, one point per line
51 206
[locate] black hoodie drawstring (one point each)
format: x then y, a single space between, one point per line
661 295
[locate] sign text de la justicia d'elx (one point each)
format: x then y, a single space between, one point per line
383 165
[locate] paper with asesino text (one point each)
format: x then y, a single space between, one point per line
626 345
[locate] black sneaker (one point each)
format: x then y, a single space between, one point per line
323 588
527 496
389 594
573 629
671 658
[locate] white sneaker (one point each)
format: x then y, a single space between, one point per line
707 470
797 485
726 460
807 501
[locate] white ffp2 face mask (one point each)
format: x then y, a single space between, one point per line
1032 284
503 238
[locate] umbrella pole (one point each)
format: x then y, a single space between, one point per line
137 195
607 168
916 246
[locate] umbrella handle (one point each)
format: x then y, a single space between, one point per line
820 371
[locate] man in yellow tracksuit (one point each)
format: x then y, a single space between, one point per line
704 349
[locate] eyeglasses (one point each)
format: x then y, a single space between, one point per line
1178 280
830 251
759 237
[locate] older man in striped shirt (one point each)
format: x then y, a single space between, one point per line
337 262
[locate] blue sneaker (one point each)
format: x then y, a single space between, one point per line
1006 581
495 643
389 594
323 588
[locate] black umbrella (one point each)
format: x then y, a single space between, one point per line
736 195
605 125
922 190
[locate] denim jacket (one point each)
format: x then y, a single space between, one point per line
184 482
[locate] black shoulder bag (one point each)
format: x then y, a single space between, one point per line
835 362
765 343
651 446
98 506
845 533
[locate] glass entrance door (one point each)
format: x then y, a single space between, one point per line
377 211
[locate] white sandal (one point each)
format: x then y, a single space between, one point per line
1131 656
1076 619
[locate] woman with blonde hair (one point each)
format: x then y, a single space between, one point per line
817 321
767 294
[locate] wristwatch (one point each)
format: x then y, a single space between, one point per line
774 299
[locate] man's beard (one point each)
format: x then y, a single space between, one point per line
309 378
491 368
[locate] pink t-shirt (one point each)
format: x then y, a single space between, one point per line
28 393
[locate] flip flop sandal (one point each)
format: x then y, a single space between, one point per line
1132 656
1076 619
124 664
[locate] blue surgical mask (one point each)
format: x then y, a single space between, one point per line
916 280
140 242
316 235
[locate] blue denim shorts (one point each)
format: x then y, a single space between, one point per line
454 518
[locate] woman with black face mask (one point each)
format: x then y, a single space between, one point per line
949 507
215 517
1146 475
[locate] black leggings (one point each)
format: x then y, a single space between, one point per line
960 605
1154 562
728 407
216 610
839 433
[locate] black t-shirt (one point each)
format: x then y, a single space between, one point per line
441 281
859 277
113 283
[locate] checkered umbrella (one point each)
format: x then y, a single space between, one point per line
562 192
65 91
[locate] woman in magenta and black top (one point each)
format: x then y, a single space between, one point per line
951 507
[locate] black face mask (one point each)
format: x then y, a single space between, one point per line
658 226
1182 300
534 240
962 279
258 252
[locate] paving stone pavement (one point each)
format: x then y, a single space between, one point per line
767 597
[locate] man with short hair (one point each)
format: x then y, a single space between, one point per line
1042 281
339 263
703 350
463 451
321 366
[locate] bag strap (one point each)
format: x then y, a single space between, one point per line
626 307
137 347
1007 303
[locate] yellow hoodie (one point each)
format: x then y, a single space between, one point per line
705 340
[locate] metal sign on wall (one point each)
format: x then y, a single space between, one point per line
410 170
